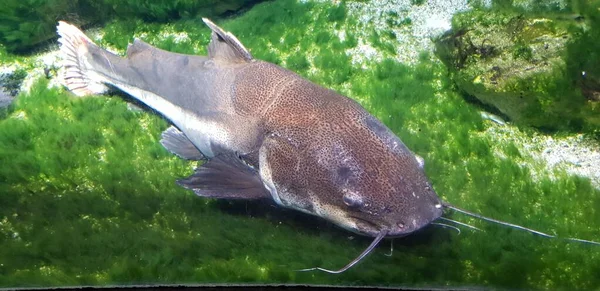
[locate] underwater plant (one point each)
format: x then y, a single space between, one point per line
25 24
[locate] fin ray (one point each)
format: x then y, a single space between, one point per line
226 176
74 48
226 46
177 143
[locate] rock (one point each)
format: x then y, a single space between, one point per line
528 68
5 98
10 83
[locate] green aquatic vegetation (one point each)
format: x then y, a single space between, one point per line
406 21
11 83
154 10
527 6
29 23
522 51
335 68
380 41
390 34
582 63
337 13
323 38
351 41
87 193
393 20
120 33
5 57
297 63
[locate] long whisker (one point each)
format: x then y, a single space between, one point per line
460 223
498 221
376 241
583 241
517 226
448 226
391 249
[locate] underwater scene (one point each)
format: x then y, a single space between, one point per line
449 144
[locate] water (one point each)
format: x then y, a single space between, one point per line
87 193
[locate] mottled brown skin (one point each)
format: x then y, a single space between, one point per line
313 150
321 144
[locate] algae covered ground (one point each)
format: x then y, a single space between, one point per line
87 193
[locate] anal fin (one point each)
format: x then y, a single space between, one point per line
177 143
226 176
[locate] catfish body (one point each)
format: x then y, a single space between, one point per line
266 132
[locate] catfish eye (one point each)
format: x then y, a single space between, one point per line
352 199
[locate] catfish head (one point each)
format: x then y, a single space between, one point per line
350 169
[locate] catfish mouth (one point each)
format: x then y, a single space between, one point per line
372 229
417 223
404 230
396 228
366 227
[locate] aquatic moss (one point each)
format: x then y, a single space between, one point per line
337 13
297 63
351 40
30 23
164 10
25 24
378 40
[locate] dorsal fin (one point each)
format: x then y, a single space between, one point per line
225 45
136 47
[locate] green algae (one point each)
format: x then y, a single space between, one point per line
87 194
29 24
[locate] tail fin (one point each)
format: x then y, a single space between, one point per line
78 75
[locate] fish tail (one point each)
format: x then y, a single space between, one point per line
79 74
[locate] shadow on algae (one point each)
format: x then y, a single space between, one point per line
87 193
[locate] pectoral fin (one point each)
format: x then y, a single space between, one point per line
177 143
226 176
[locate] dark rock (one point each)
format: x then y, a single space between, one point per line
10 83
524 66
5 98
